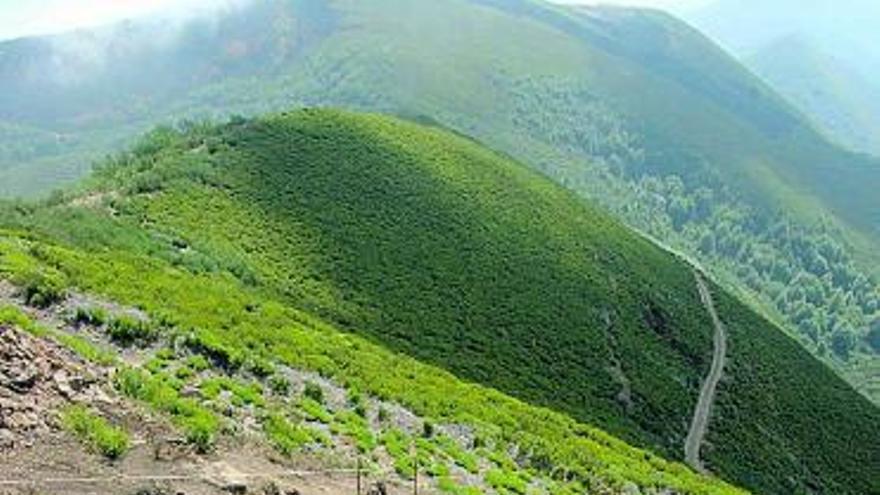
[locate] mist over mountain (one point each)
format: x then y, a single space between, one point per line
846 28
842 101
823 56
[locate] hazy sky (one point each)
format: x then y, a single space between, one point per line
672 5
28 17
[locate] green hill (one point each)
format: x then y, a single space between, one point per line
427 244
631 108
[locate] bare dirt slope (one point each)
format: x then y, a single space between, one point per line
38 378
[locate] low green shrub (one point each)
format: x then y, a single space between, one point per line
288 437
200 426
279 385
85 349
127 330
354 426
260 367
90 316
242 393
358 402
11 315
217 330
504 481
314 391
437 469
184 373
461 457
156 364
95 432
398 444
315 411
14 316
42 288
448 485
207 344
383 415
198 363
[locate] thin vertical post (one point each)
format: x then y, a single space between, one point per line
415 458
359 475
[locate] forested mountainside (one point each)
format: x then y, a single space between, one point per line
631 108
419 242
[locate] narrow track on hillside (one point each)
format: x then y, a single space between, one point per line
703 409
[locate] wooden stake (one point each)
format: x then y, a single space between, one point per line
415 469
359 475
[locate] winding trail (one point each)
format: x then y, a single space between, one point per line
700 421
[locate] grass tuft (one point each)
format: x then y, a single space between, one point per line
95 432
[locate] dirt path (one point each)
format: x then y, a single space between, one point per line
703 409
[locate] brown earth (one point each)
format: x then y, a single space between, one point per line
39 377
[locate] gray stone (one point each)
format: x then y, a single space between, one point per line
7 439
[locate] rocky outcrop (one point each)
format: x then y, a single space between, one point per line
36 376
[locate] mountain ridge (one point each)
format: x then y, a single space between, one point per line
758 197
833 94
373 223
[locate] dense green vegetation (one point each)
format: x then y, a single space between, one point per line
748 397
220 317
802 274
633 109
428 244
296 200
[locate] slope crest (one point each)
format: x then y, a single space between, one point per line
434 246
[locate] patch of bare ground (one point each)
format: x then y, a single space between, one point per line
38 377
